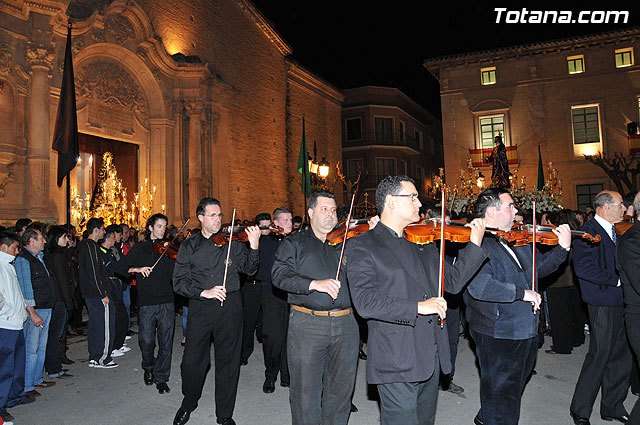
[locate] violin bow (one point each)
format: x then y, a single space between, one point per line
346 231
533 272
167 247
442 242
226 263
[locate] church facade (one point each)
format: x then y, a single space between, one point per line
198 98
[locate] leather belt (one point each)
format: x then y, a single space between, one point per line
325 313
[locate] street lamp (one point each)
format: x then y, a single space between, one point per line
323 169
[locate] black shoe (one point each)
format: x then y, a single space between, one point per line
6 416
226 421
131 333
27 400
478 421
182 417
268 387
284 384
354 409
148 377
579 420
621 418
362 355
243 361
162 387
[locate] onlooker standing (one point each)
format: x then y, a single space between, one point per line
39 292
12 316
21 225
95 288
109 258
57 261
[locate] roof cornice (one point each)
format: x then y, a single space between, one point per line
266 28
571 43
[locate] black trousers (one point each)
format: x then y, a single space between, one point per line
632 322
505 365
566 317
410 403
156 321
209 320
607 365
122 321
251 315
57 328
274 330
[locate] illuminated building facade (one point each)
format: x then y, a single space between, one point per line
573 97
200 97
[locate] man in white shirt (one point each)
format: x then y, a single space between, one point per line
13 313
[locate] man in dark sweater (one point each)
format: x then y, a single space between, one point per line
156 311
95 288
499 302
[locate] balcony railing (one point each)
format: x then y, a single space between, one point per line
388 139
479 157
634 144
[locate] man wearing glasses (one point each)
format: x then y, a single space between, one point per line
608 362
215 311
499 303
394 285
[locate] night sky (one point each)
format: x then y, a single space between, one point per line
355 43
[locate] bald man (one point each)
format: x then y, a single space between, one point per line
608 362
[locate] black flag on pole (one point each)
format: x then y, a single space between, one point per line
65 135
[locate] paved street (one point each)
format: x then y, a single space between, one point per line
118 396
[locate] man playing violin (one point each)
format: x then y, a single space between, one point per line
499 299
322 340
215 310
394 286
156 311
274 306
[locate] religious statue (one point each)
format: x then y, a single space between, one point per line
500 173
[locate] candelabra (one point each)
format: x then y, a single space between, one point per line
461 198
109 200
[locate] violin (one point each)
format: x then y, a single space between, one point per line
523 235
239 234
163 246
428 231
356 227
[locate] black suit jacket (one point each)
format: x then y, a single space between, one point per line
628 264
595 267
386 289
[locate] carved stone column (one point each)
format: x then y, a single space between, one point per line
194 110
39 134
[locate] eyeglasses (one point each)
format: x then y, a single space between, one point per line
617 204
214 215
413 196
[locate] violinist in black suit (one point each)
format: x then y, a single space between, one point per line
394 286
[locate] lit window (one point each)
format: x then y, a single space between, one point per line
490 126
624 57
488 75
576 64
586 124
